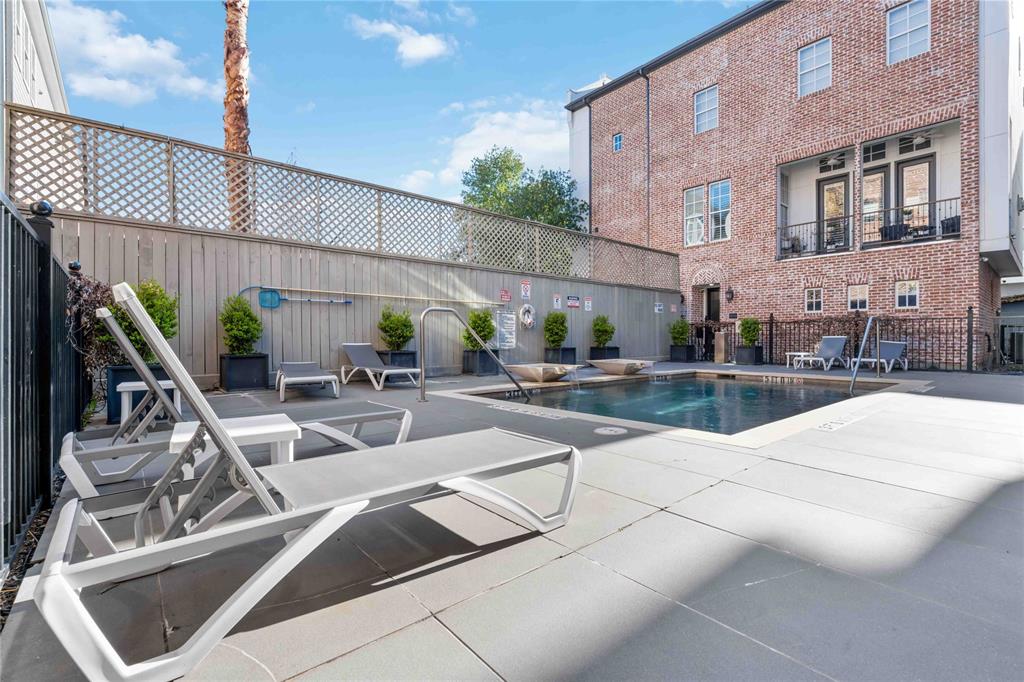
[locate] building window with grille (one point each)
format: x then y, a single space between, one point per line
812 300
908 30
814 67
874 152
907 295
720 196
617 142
857 297
705 109
693 216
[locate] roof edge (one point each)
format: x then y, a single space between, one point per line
721 29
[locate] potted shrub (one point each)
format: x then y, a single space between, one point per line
749 352
242 367
556 328
396 330
475 359
602 332
681 350
163 308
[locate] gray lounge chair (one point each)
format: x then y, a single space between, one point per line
890 354
320 495
830 351
364 357
303 373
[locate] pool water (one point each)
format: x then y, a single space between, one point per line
721 405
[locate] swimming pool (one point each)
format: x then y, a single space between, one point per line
721 405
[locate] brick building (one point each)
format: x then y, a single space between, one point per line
813 158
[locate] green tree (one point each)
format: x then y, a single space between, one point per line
242 329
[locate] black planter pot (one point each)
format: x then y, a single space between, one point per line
606 353
687 353
749 355
398 358
560 356
478 362
118 374
240 372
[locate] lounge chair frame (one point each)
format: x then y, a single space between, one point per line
186 536
306 373
362 356
826 359
891 353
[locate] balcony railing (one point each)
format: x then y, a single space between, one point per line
818 237
906 224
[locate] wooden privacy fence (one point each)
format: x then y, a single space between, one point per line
95 169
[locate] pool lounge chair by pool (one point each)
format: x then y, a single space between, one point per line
364 357
890 354
830 352
320 495
303 373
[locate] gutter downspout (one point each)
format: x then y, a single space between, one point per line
647 80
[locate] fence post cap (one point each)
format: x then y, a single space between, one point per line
41 208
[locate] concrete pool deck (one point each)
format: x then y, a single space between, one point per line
888 546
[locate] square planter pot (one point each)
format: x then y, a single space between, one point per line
560 356
687 353
241 372
478 362
606 353
398 358
117 374
749 355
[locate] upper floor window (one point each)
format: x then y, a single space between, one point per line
720 196
812 300
814 67
693 216
617 142
874 152
705 109
914 143
908 30
833 162
907 294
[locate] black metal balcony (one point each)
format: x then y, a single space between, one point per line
830 235
909 224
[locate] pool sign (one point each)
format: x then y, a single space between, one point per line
572 301
506 330
659 308
506 296
672 308
588 303
556 302
524 290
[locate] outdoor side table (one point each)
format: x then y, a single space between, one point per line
797 358
276 430
127 389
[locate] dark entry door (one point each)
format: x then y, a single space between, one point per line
712 313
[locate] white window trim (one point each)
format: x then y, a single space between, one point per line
917 297
617 142
799 73
889 36
866 297
728 220
703 211
821 300
696 113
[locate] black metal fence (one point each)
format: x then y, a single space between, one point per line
41 379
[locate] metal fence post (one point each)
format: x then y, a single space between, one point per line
44 389
771 338
970 338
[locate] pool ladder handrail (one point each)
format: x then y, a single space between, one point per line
423 351
860 353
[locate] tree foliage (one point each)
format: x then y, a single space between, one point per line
499 181
556 328
483 324
242 328
396 328
750 331
680 332
602 330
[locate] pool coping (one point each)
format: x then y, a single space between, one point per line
826 418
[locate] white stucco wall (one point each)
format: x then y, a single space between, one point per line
579 151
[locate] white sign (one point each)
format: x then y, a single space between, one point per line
588 303
506 330
524 290
659 308
556 302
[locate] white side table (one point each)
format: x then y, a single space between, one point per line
128 388
797 358
277 430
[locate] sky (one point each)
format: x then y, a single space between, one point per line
403 94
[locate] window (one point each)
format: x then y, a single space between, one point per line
720 195
907 294
908 33
705 109
874 152
814 67
617 142
812 300
693 216
834 162
857 297
914 143
784 199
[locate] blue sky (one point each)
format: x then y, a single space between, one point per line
399 93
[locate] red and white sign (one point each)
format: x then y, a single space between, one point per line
524 290
506 296
588 303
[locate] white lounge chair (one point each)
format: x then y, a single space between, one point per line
890 354
830 351
364 357
303 373
320 495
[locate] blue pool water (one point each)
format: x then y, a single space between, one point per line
720 405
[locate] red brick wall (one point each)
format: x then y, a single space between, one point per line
762 124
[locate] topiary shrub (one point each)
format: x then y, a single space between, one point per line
750 330
242 328
160 305
396 328
680 332
602 331
556 328
483 324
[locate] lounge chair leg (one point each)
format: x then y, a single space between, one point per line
544 524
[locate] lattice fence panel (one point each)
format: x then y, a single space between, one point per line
348 215
500 243
129 175
286 204
47 160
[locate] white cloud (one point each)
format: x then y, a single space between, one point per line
482 103
417 181
412 10
306 107
104 62
412 47
461 13
453 108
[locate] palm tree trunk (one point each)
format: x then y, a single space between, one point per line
236 114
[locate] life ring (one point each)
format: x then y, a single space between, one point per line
527 316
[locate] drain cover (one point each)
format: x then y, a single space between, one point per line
610 431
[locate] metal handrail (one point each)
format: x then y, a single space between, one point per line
860 353
483 344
